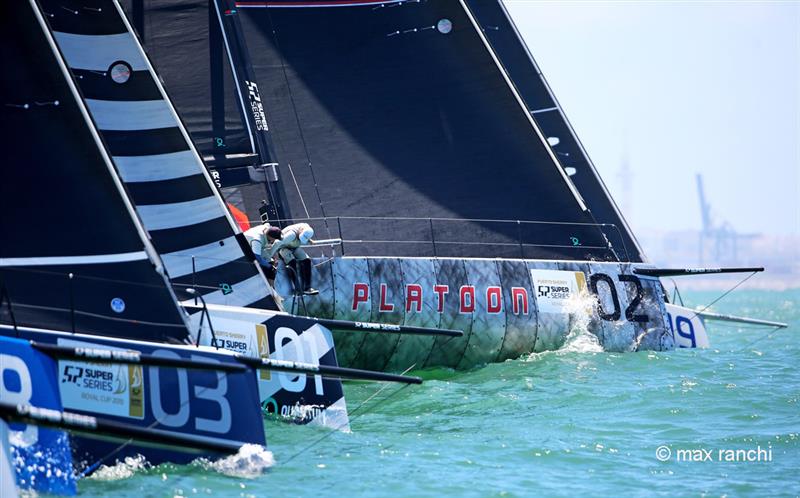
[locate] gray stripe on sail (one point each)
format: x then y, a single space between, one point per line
98 52
131 115
157 167
179 214
179 263
123 257
244 293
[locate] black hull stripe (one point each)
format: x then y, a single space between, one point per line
245 293
265 303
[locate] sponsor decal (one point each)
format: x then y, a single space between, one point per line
263 349
553 288
256 107
519 300
106 388
215 177
413 298
441 291
467 298
233 341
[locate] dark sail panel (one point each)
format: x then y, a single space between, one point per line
71 256
399 109
517 60
186 44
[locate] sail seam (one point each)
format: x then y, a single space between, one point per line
74 260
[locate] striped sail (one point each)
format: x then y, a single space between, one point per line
163 174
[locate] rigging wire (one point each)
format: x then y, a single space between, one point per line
723 295
359 407
749 344
299 127
762 338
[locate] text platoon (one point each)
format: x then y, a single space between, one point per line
414 295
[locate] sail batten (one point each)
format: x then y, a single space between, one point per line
75 260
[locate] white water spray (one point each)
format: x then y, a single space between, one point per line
579 306
251 461
120 470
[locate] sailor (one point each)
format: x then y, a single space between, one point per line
287 243
257 237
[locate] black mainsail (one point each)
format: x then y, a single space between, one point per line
401 109
73 256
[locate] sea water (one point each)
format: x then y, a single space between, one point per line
723 421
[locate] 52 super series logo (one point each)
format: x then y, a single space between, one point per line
103 388
554 288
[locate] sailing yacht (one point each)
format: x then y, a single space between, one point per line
97 317
419 139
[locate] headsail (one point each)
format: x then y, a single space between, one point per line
173 194
512 52
73 256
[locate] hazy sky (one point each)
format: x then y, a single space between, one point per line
679 88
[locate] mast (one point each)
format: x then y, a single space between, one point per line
253 110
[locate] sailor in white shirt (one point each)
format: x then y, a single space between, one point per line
257 238
287 244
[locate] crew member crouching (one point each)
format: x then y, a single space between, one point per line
286 243
257 238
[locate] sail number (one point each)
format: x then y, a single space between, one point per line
180 417
631 310
18 393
